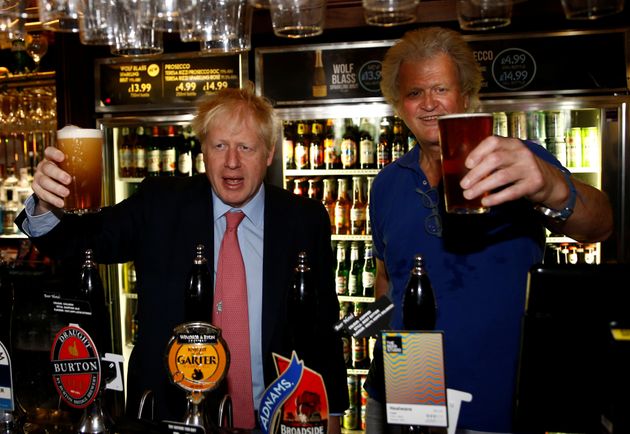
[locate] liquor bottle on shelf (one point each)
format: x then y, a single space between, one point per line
10 210
199 166
316 148
313 188
125 154
360 359
399 143
368 273
184 152
384 146
297 186
139 160
301 150
302 309
328 199
331 157
368 224
349 148
342 208
288 143
168 155
200 291
153 153
419 308
342 271
357 210
320 88
366 145
354 276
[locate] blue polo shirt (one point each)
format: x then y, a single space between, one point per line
478 267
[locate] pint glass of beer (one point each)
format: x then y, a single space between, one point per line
459 134
83 149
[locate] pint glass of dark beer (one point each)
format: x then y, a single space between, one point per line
459 134
83 149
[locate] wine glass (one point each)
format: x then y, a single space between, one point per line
37 48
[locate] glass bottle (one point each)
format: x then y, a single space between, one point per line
320 89
91 290
199 166
368 223
419 307
331 159
297 187
342 208
360 359
184 151
354 276
153 153
316 149
200 291
342 271
288 144
366 145
357 210
9 213
301 150
328 199
368 273
139 154
399 146
384 147
313 189
168 155
302 309
125 154
349 147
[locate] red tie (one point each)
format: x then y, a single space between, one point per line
232 318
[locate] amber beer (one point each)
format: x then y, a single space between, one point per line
83 149
460 134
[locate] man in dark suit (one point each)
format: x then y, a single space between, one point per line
159 226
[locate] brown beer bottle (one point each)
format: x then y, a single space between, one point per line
153 153
288 144
302 309
125 154
419 307
331 159
368 224
384 146
313 188
366 146
316 149
139 154
357 210
399 143
301 150
342 208
329 202
200 291
349 148
168 155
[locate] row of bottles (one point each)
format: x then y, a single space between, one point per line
347 200
342 144
355 274
354 416
171 150
571 135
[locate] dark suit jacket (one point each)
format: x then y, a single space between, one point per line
158 228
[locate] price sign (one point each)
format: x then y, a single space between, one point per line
513 69
169 81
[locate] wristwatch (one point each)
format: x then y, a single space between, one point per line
563 214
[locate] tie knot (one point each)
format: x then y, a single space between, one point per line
233 219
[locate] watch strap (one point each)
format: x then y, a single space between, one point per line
564 213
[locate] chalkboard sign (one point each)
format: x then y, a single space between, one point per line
164 82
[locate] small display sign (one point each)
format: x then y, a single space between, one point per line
6 380
321 74
149 84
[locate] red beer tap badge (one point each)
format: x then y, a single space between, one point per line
76 366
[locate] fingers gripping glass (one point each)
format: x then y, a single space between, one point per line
432 222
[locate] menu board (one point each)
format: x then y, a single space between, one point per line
570 63
163 82
320 74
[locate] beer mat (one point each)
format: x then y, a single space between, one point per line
374 319
415 385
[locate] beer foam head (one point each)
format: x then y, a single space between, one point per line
74 132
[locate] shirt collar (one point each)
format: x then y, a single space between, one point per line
411 159
253 210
